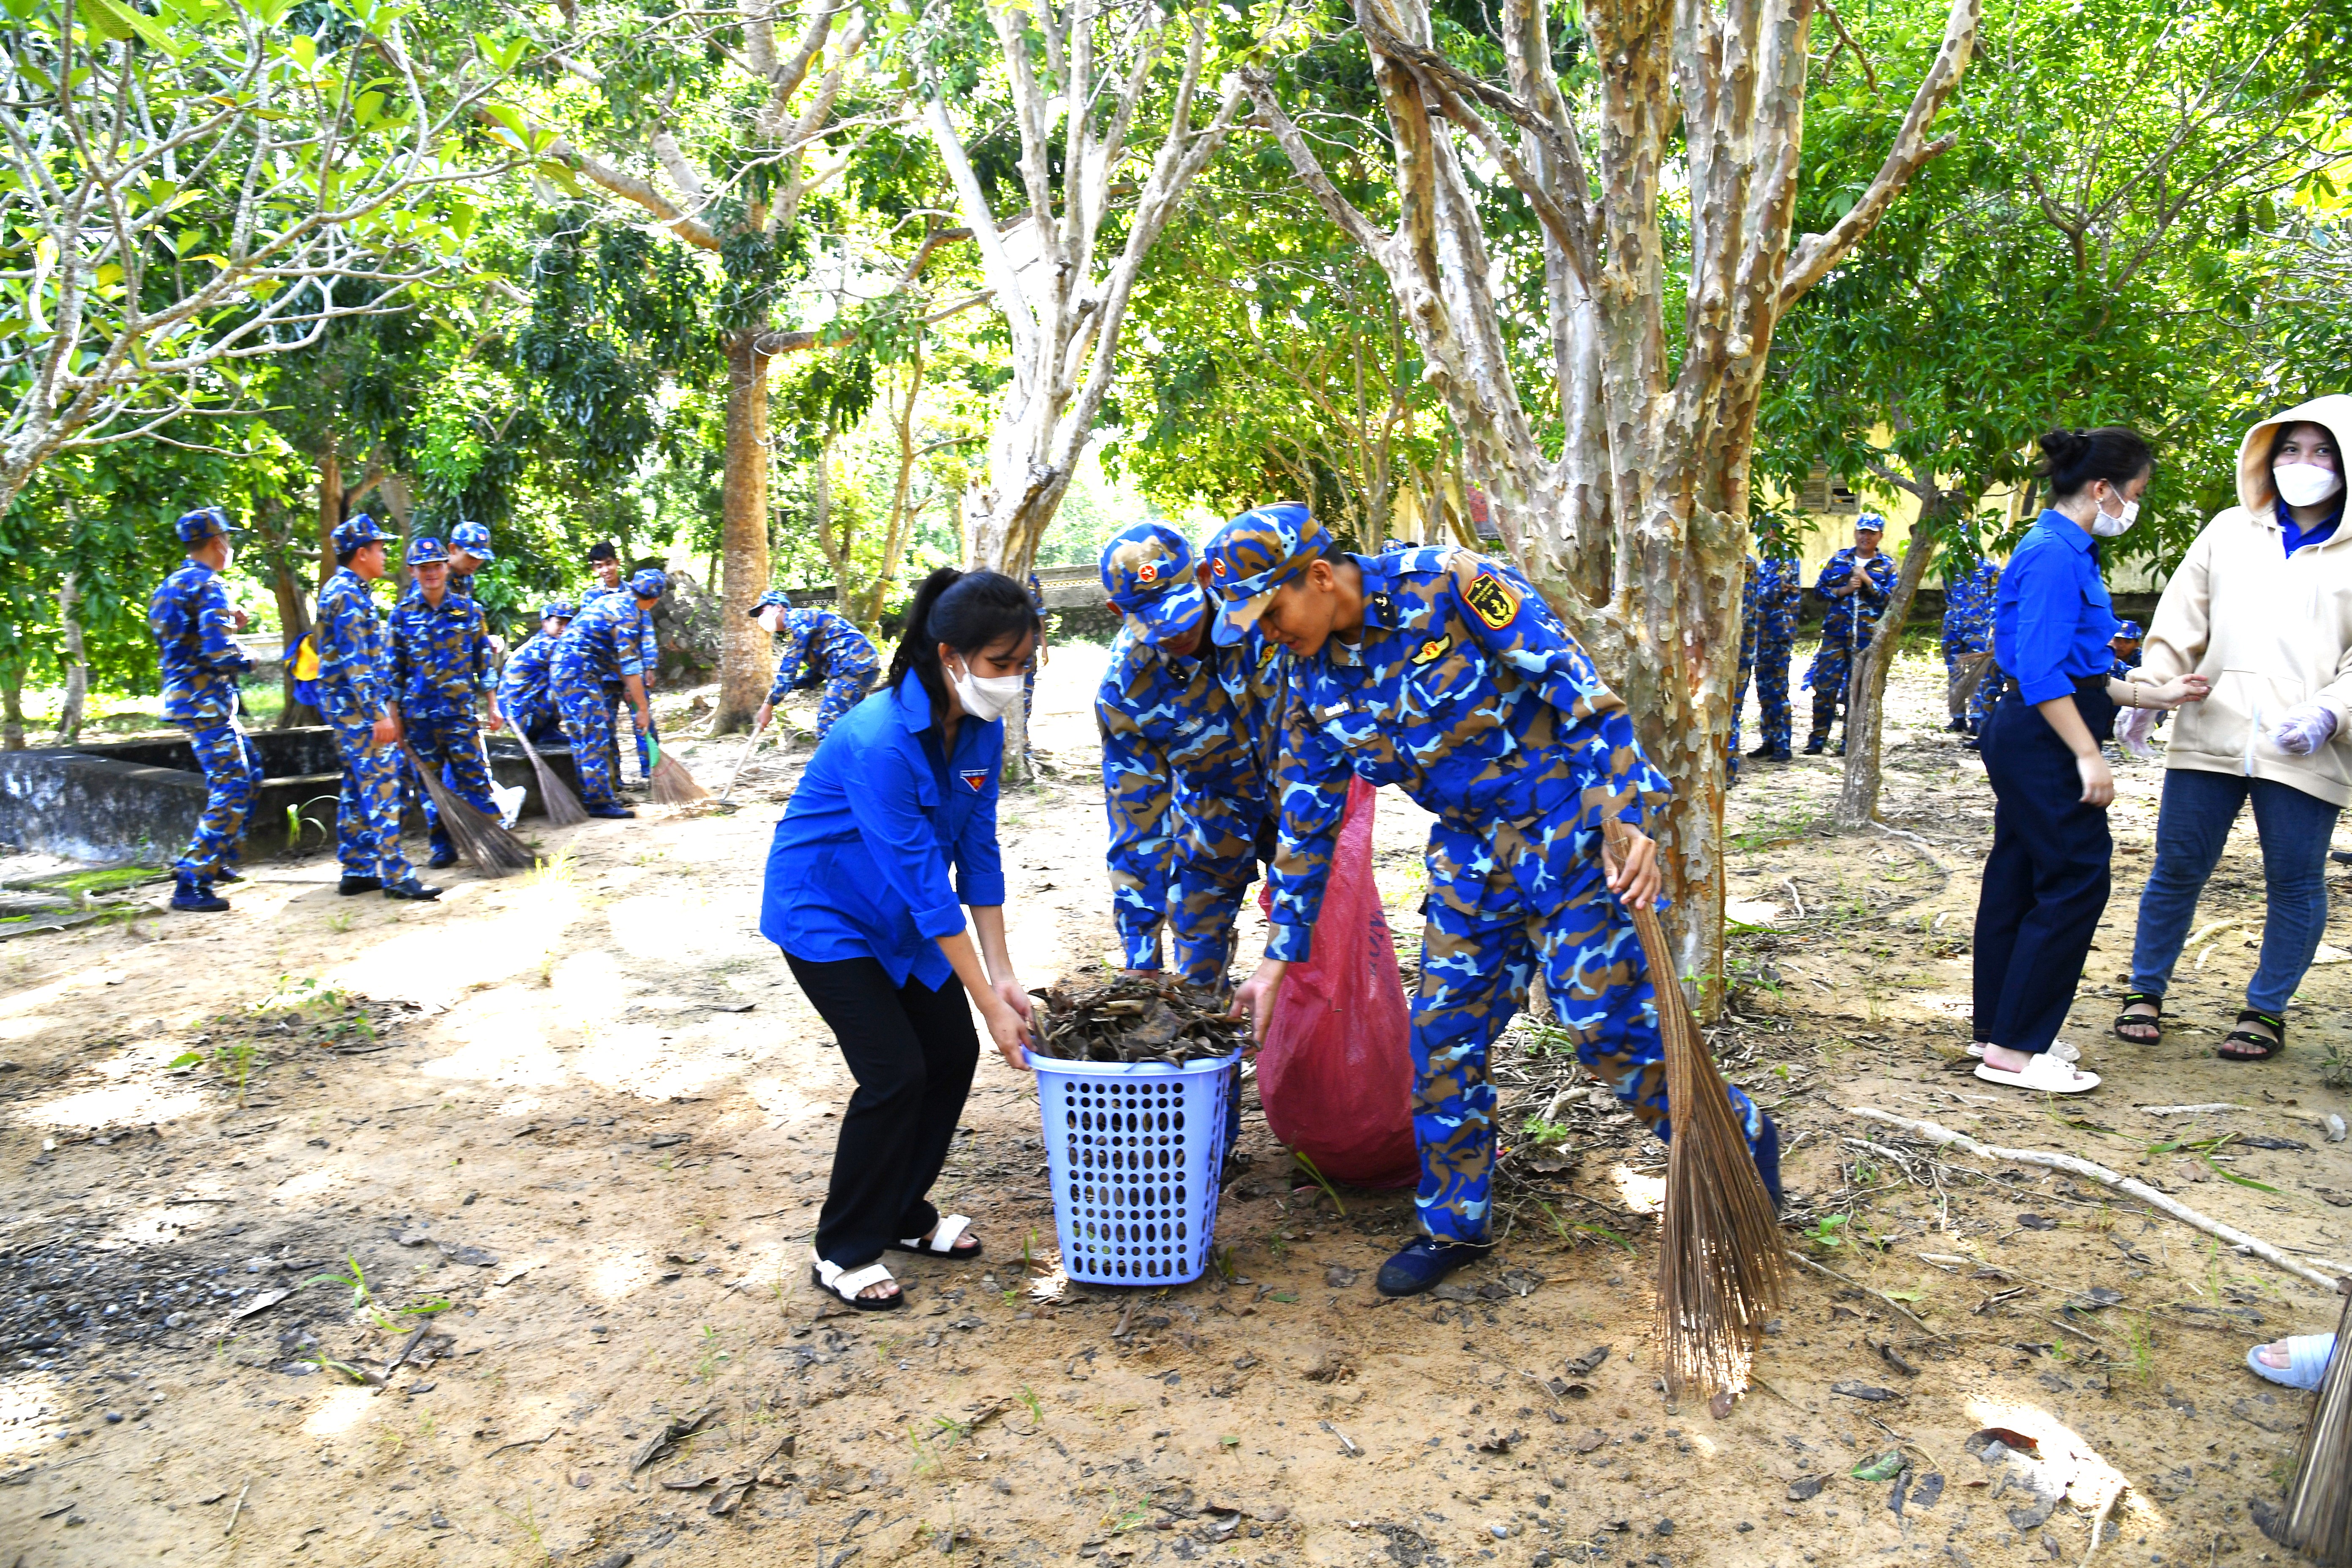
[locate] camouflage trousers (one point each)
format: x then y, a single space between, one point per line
613 703
1987 698
535 716
1738 706
367 816
1827 676
232 784
588 724
450 744
1219 843
1771 694
842 692
1475 973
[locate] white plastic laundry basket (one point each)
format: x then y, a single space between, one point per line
1133 1152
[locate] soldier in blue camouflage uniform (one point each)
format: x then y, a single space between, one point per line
1780 589
1187 735
440 668
525 696
604 646
470 552
1969 583
1854 582
356 696
821 648
2125 645
1441 671
605 561
1748 631
193 622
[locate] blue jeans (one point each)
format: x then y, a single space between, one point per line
2295 828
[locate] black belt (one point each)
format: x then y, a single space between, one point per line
2084 686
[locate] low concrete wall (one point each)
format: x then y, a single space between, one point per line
139 800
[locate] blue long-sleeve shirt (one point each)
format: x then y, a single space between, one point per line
354 660
859 865
195 637
2051 616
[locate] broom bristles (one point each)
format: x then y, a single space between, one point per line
1722 1265
562 807
2316 1517
492 850
672 784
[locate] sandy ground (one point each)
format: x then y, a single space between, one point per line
588 1110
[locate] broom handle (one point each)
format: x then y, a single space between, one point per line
758 729
1664 983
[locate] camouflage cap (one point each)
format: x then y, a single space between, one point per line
557 610
2129 629
1252 556
474 538
352 532
423 550
648 584
204 522
1870 523
773 596
1148 571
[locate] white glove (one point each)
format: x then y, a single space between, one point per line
2304 729
2133 732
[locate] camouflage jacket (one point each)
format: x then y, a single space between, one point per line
1779 590
1172 729
819 645
604 642
1466 691
354 661
193 626
440 655
1968 606
648 646
1878 580
525 678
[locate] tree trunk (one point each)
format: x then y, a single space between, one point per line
77 664
293 621
743 538
1865 684
330 505
12 707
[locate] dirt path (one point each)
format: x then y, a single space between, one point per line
589 1111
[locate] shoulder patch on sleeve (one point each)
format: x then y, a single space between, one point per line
1494 601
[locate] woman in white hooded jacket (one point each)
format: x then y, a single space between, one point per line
2261 608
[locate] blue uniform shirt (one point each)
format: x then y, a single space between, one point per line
354 666
648 646
190 617
440 657
607 640
860 865
1780 588
818 646
524 681
2051 616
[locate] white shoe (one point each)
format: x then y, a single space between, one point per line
2064 1050
2044 1074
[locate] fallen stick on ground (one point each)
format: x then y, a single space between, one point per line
2187 1110
1824 1268
1943 1137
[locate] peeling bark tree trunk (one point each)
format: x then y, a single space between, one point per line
76 663
743 537
330 505
1637 529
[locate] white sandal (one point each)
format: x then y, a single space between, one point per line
943 1244
2042 1074
2064 1050
844 1285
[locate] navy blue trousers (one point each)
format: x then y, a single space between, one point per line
2045 882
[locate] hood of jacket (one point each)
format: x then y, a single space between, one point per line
2255 489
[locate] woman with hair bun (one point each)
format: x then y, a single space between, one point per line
2045 881
902 792
2261 606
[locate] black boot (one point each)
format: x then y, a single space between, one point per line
350 884
1816 744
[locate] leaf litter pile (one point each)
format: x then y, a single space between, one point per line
1136 1020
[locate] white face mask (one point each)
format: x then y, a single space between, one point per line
2306 484
2106 526
984 697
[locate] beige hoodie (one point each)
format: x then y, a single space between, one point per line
2269 632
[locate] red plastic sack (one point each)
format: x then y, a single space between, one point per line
1336 1072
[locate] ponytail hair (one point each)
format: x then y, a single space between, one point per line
2072 459
969 611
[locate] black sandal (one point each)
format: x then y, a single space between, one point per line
2152 1021
2265 1046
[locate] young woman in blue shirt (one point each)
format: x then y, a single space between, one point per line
2045 882
902 792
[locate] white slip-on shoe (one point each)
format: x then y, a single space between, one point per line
2044 1074
2064 1050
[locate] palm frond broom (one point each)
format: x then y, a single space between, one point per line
750 746
1722 1265
671 784
555 797
491 850
2315 1520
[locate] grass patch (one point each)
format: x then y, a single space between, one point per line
106 880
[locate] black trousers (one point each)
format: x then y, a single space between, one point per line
2045 882
912 1051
